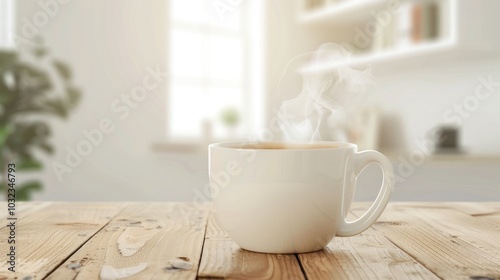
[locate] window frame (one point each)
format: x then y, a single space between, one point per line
251 80
7 25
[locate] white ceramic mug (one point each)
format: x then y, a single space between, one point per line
291 200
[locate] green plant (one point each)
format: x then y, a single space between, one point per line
230 117
28 92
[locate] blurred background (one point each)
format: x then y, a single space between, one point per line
117 100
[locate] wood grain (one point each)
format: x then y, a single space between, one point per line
366 256
438 249
45 238
23 209
222 258
482 235
417 240
487 211
474 208
142 241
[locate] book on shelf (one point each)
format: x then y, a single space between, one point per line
315 4
430 22
417 22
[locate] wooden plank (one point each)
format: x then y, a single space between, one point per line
46 238
471 208
476 208
23 209
479 233
493 218
443 253
222 258
366 256
142 242
487 211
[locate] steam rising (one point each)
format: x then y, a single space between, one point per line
322 109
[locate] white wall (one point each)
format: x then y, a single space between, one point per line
109 45
7 23
286 43
413 98
426 97
413 101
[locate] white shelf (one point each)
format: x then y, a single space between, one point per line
347 10
461 34
437 49
446 158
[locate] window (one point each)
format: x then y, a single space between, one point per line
214 67
6 23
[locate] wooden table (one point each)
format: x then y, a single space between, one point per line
180 241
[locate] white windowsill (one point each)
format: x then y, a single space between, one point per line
446 158
186 146
180 147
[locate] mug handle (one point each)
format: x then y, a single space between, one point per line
361 160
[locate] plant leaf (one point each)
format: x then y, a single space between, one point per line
29 164
63 70
73 97
26 135
23 191
4 134
46 147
